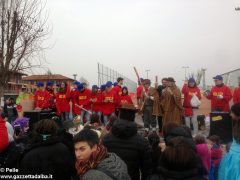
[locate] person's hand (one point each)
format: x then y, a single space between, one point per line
151 97
220 97
170 91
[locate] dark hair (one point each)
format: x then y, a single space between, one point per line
164 79
125 89
153 140
119 79
169 127
200 139
94 118
187 129
179 155
44 129
4 115
215 139
87 135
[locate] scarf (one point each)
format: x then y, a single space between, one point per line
94 160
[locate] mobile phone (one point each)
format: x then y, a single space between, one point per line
17 130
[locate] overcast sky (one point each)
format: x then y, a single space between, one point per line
159 35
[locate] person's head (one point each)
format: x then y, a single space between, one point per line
109 85
4 116
187 129
179 155
164 82
235 112
50 85
95 89
169 127
153 140
170 82
218 80
95 119
75 84
40 85
124 90
23 125
140 81
146 83
191 82
120 81
44 130
103 87
84 85
80 87
200 139
214 140
115 84
85 143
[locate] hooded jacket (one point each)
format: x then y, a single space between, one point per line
133 149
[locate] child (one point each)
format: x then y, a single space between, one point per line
216 156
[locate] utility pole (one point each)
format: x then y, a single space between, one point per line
185 71
147 72
75 76
204 78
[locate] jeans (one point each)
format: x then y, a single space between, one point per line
106 118
194 121
148 118
85 114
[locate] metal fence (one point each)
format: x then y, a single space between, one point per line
231 78
107 74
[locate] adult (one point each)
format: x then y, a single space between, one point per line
41 97
189 90
94 162
132 148
220 95
172 103
150 105
50 98
74 99
10 110
46 155
230 164
96 101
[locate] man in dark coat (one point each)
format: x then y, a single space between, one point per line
132 148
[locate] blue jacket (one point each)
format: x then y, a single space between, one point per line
230 164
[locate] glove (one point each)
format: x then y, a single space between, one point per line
220 97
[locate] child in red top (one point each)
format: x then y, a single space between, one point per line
188 90
51 96
41 97
84 97
96 100
74 98
109 101
62 101
125 98
220 96
216 156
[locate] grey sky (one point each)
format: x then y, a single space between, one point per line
160 35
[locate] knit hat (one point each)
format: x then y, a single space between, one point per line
109 84
50 83
103 87
80 87
40 84
191 80
22 122
95 87
76 83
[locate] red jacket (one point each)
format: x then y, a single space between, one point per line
236 96
188 92
4 135
74 98
50 99
97 106
118 90
222 104
84 99
139 91
126 100
62 101
41 99
110 106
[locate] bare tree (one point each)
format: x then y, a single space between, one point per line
23 29
197 77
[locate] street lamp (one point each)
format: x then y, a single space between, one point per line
147 72
185 69
75 76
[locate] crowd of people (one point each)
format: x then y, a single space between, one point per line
110 147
